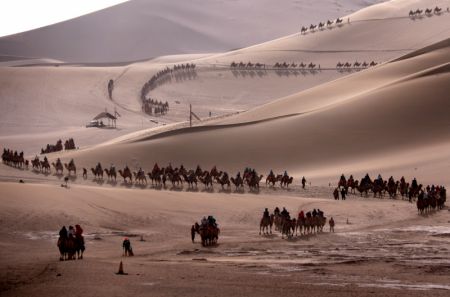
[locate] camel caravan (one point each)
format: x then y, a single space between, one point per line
14 159
311 222
391 187
355 65
418 13
50 148
71 243
321 26
176 177
179 72
207 229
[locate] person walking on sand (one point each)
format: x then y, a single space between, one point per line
343 193
331 222
127 250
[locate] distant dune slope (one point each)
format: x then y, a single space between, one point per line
142 29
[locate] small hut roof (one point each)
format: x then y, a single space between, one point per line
104 115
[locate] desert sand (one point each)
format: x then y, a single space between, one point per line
389 119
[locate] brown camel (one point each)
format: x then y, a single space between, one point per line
126 173
58 167
71 167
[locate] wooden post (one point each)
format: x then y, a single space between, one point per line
190 115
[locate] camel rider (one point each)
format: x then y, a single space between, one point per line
414 183
204 222
319 213
391 180
78 230
285 213
271 173
303 180
402 180
63 232
301 215
45 159
112 168
212 221
276 211
98 166
380 179
71 163
71 231
314 213
285 174
266 213
156 168
308 214
342 177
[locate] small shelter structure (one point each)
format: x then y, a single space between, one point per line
109 117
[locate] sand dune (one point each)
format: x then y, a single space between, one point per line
135 30
381 115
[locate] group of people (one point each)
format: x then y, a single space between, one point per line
76 231
50 148
13 158
153 106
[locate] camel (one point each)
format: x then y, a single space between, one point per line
411 13
98 171
303 30
286 181
329 23
364 188
377 188
224 180
253 181
288 227
311 65
339 21
266 225
321 25
35 163
58 167
428 11
206 179
191 179
71 247
45 166
302 65
312 27
139 177
373 63
356 64
111 173
71 167
364 64
437 10
175 178
300 226
209 235
237 182
272 179
126 173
